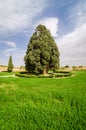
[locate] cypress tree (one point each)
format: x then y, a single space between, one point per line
10 65
42 52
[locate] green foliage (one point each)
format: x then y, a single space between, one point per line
26 75
74 67
66 66
49 75
81 66
10 65
63 74
42 52
21 67
43 103
62 71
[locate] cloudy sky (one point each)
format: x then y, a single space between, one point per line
66 20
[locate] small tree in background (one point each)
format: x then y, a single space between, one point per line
10 65
42 52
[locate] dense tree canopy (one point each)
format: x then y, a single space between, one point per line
10 65
42 52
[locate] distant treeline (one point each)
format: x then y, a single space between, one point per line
3 66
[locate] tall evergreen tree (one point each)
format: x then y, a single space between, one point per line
10 65
42 52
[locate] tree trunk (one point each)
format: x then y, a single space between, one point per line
45 72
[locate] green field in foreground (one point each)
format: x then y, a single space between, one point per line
43 103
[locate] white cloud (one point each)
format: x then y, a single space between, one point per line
9 43
78 13
51 23
17 56
72 46
9 51
16 15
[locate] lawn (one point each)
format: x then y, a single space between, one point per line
6 73
43 103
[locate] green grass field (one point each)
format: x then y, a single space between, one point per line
43 103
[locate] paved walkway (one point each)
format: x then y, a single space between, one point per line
6 76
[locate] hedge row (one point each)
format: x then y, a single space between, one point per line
53 75
62 71
62 74
26 75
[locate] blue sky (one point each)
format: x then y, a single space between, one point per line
66 20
